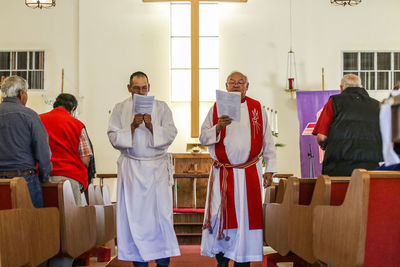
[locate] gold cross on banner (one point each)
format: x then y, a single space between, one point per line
195 102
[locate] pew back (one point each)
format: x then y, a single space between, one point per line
382 243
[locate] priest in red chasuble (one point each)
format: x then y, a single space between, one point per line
233 222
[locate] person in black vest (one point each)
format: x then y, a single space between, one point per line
348 130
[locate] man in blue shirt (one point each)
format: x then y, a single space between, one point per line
24 140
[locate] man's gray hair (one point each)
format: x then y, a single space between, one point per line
235 71
12 85
350 80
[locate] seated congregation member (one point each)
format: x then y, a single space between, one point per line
348 130
233 223
145 230
24 141
69 144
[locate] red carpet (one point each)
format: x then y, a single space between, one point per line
190 257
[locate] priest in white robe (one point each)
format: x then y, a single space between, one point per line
233 223
144 196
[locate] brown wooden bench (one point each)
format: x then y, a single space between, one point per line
105 215
364 230
13 233
277 215
26 233
327 191
77 224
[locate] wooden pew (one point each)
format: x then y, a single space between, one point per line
277 215
364 230
105 215
328 191
39 229
78 224
13 233
111 229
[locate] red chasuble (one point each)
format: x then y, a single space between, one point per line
254 204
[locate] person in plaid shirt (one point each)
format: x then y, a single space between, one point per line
69 144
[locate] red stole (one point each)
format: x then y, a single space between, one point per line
254 202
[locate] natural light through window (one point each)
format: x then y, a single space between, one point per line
181 52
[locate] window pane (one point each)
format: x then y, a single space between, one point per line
35 79
396 77
13 60
22 74
383 61
208 20
396 57
367 61
4 74
209 52
31 60
4 60
181 85
368 80
180 52
209 82
22 60
180 19
350 61
383 81
39 60
350 72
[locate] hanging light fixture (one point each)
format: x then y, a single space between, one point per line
345 2
40 3
291 72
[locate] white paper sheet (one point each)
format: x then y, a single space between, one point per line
228 104
142 104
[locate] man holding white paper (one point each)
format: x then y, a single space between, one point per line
142 129
233 222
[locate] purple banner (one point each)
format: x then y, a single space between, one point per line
309 106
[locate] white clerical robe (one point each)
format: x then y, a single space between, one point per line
144 195
244 245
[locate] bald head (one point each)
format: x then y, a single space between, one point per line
350 80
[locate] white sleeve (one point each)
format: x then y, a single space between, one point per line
208 134
119 137
269 152
164 131
385 117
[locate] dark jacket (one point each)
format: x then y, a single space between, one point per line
354 139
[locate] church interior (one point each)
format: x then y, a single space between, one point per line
89 48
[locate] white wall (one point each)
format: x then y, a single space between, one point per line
53 30
100 44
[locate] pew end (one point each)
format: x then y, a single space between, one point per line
105 215
363 231
277 215
13 233
327 191
78 224
40 227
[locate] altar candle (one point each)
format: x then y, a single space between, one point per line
276 121
291 80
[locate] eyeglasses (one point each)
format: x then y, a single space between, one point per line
241 82
138 88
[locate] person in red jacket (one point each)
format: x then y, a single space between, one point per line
69 144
